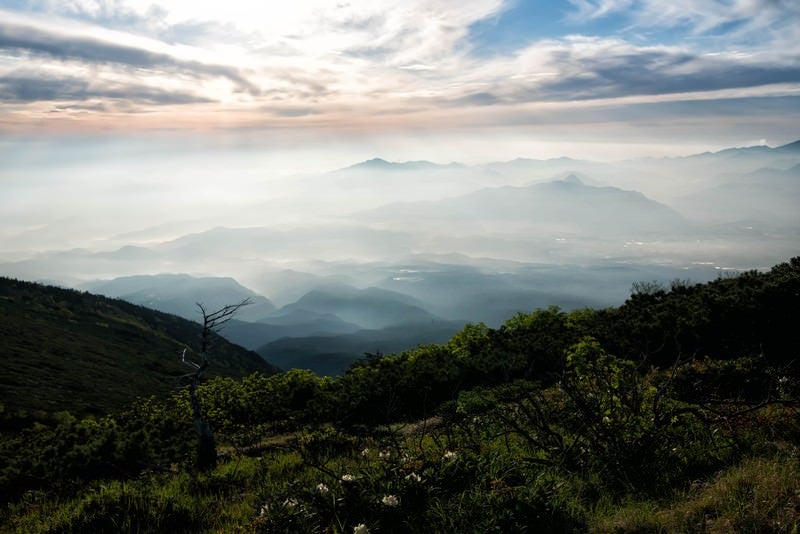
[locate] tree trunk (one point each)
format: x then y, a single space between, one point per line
206 447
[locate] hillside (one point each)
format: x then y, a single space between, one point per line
66 350
566 205
329 355
674 412
299 323
371 307
767 196
179 294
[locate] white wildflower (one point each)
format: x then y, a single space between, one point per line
348 478
606 420
365 453
390 500
384 455
449 455
361 528
413 477
291 504
322 489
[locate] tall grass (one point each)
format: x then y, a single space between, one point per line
758 495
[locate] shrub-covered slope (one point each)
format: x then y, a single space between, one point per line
676 412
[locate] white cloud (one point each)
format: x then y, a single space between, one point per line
317 63
593 9
701 16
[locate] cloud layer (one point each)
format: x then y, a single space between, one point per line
378 63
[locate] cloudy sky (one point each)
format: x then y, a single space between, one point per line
487 79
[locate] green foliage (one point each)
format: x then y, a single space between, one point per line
628 427
409 488
67 453
744 316
666 413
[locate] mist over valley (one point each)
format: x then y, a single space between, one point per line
382 256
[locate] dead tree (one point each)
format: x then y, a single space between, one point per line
212 323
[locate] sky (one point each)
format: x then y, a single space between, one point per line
464 80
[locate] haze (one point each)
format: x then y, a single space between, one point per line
472 158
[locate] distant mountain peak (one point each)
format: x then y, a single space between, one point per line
384 165
374 162
572 179
792 147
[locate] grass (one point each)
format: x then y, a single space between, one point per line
758 495
464 491
442 485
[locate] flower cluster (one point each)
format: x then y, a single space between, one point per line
390 501
383 483
449 455
413 477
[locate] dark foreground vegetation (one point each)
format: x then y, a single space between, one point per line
675 412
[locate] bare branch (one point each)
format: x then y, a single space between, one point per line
213 321
188 363
221 316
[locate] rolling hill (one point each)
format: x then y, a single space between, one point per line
566 205
768 196
299 323
371 307
88 354
180 293
332 355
